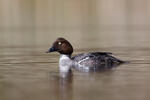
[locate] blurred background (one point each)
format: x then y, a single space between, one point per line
102 22
29 27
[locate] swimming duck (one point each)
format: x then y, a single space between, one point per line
84 61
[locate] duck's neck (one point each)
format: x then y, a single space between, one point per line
65 63
65 56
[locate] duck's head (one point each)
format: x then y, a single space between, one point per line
62 46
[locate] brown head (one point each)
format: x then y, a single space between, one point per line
62 46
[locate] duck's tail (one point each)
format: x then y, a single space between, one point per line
123 62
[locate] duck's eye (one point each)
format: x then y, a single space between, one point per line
59 43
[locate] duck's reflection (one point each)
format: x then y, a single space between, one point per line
63 81
62 85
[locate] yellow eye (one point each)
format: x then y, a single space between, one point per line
59 43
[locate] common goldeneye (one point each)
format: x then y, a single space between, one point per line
84 61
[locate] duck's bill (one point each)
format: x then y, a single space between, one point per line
52 49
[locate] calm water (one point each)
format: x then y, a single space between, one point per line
28 73
28 28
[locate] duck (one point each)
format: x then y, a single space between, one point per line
84 61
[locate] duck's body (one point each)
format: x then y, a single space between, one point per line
95 59
86 61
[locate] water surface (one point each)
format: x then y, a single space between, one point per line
29 27
28 73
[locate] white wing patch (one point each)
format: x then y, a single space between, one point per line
83 60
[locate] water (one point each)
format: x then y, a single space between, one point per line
28 73
28 28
